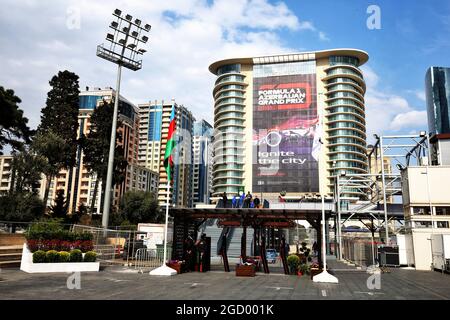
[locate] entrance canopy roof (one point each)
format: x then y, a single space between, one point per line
237 213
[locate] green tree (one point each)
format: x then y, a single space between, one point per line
59 119
51 149
20 207
96 149
26 169
60 115
140 207
60 208
75 217
14 130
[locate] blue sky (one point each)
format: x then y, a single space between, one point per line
188 35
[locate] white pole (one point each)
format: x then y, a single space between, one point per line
383 178
167 223
324 276
164 270
324 248
112 147
338 227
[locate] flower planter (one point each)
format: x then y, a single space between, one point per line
245 271
176 266
27 265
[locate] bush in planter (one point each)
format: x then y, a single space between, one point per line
64 256
86 245
39 256
303 268
76 256
33 245
293 262
90 256
52 256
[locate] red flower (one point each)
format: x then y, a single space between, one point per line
33 245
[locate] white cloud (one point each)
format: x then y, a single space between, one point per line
417 119
306 25
323 36
420 94
386 111
186 36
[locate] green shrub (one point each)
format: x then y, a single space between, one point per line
39 256
76 256
293 262
304 269
90 256
52 256
293 259
44 229
64 256
84 236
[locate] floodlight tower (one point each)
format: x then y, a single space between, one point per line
122 50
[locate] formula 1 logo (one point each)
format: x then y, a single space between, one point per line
284 96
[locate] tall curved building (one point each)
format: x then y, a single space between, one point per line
289 123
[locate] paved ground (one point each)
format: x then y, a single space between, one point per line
127 284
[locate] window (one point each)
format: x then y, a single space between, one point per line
230 68
421 211
88 102
422 224
443 211
345 60
442 224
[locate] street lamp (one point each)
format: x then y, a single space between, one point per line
122 50
324 276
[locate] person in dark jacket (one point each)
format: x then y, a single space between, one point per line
248 200
256 202
224 199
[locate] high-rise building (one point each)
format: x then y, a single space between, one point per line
78 184
289 123
202 174
437 87
154 127
5 174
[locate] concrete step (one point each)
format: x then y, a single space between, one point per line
10 264
12 249
4 257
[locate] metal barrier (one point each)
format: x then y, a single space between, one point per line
360 251
113 246
150 258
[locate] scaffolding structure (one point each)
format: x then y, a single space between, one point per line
381 187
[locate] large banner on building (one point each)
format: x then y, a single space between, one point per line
286 131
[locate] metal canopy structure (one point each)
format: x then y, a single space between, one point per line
382 185
248 213
188 221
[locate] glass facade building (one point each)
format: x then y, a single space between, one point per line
303 100
202 174
437 86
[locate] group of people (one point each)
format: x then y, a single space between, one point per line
242 201
196 254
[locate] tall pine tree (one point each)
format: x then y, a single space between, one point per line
96 149
14 130
60 118
60 208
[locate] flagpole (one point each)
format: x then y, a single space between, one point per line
164 270
167 223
